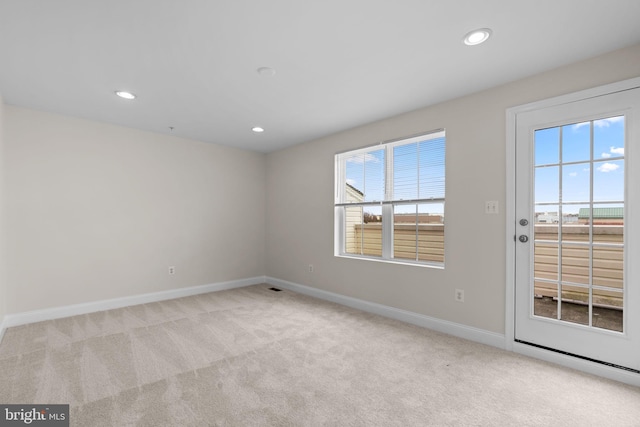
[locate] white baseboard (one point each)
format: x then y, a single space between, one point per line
444 326
90 307
462 331
451 328
466 332
3 327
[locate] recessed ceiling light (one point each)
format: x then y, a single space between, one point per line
475 37
125 95
257 129
266 71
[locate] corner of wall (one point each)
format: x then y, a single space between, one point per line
3 293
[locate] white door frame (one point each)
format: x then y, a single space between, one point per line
510 343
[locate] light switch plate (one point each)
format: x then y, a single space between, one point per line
491 207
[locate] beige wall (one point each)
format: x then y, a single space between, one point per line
96 211
300 212
3 289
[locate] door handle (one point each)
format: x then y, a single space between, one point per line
523 238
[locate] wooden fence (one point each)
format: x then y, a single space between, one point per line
607 268
607 263
429 247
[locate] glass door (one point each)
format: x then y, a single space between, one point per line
574 289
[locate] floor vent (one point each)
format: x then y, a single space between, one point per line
275 289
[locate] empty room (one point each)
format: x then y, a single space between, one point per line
355 213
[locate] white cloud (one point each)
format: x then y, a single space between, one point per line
605 123
602 123
351 182
606 155
362 158
619 151
573 174
608 167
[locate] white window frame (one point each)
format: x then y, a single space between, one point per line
387 204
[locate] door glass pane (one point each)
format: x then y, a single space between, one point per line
588 186
546 222
547 146
546 261
608 138
608 181
575 264
608 309
545 303
608 266
575 183
547 184
608 223
576 146
574 306
573 228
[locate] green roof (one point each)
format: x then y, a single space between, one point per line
599 213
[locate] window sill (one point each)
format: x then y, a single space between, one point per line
435 265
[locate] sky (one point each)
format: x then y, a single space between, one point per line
418 174
573 164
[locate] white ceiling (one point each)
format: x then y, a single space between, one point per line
339 63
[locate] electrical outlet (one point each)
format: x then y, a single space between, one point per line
310 268
172 270
459 296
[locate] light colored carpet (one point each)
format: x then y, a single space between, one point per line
254 357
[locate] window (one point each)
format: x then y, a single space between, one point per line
389 202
